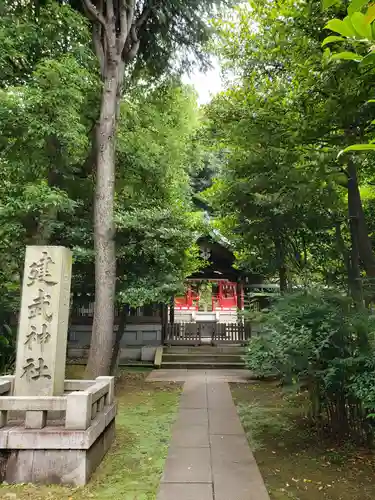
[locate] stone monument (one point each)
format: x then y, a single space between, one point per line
43 325
52 430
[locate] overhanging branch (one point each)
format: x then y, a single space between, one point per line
126 14
93 12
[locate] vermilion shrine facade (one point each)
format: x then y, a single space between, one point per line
227 296
213 299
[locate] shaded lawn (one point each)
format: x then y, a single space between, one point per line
296 462
132 468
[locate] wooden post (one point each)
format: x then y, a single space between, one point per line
171 311
164 321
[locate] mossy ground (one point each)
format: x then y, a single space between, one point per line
133 467
296 462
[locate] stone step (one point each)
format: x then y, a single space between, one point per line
202 357
223 349
196 365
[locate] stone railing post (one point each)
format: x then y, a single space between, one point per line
110 397
3 418
35 419
78 411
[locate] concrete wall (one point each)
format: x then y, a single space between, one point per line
135 335
138 343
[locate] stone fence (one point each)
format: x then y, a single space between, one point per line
81 422
82 401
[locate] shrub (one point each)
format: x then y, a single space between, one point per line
320 341
7 349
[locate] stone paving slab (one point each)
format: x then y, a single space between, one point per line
209 457
193 436
230 448
234 470
194 395
188 465
225 421
219 396
193 416
192 491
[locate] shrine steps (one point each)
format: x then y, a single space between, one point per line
203 357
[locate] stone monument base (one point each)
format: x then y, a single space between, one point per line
67 451
68 467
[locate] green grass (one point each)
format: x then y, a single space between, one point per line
133 467
297 462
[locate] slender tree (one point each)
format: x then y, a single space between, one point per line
128 34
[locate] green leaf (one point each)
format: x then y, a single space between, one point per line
331 39
349 56
370 14
341 27
356 6
359 23
329 3
369 59
357 147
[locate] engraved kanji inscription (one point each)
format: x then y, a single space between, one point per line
41 337
35 369
40 306
39 271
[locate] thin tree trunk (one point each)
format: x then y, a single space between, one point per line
116 43
171 310
117 340
280 261
164 321
355 274
283 279
364 243
105 252
340 243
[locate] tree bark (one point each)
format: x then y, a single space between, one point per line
283 279
341 248
353 212
171 310
117 340
115 32
99 361
356 210
280 259
164 321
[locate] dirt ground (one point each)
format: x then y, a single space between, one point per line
295 461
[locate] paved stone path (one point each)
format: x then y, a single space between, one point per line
209 457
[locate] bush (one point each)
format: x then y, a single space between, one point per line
318 340
7 349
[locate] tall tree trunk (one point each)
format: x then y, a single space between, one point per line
280 259
164 321
105 252
353 212
171 310
117 340
115 29
341 248
356 210
283 279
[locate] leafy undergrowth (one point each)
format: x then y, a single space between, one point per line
295 461
133 466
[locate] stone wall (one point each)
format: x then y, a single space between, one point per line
138 343
135 335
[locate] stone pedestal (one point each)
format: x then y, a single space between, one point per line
52 431
66 451
70 467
